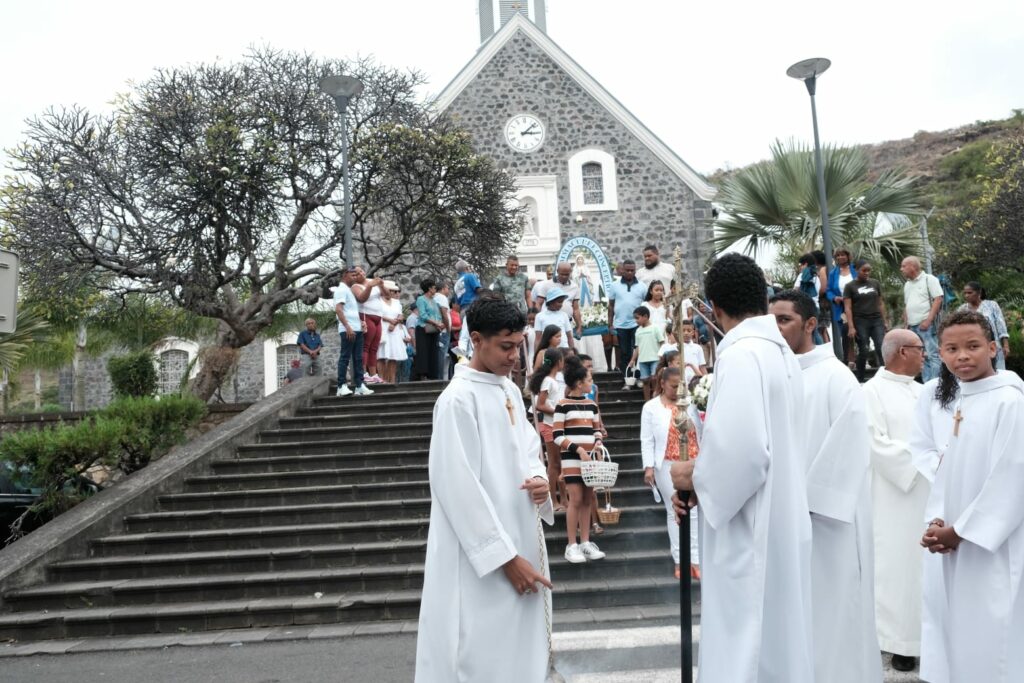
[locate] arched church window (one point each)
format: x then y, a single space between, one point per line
593 183
173 365
285 355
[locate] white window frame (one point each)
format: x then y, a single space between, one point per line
607 161
177 344
270 346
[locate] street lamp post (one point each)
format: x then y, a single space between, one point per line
343 89
808 71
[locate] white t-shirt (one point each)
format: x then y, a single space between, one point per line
560 318
343 295
693 354
441 300
663 272
556 390
571 290
666 347
373 304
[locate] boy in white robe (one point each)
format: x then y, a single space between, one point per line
974 613
839 498
749 481
899 494
485 613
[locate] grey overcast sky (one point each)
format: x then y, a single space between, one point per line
708 78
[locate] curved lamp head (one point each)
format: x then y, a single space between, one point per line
341 88
809 68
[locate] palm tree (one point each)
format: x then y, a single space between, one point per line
30 332
775 203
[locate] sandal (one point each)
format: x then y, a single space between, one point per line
596 529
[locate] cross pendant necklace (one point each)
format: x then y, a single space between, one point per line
957 419
508 407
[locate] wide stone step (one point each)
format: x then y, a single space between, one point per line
393 552
303 583
289 610
622 426
616 443
283 515
361 475
338 493
615 413
310 477
297 462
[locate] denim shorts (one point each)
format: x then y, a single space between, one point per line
647 369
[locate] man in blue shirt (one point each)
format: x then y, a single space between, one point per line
624 296
310 346
467 286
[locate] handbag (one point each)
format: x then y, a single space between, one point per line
430 328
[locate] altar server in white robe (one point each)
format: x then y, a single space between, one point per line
482 616
899 493
978 528
750 486
838 455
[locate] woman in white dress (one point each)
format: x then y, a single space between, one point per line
394 334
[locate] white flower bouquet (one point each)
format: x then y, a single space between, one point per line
702 392
595 315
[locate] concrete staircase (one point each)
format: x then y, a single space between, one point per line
324 520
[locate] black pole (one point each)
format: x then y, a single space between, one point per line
685 585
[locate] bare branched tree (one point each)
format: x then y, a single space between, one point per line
218 186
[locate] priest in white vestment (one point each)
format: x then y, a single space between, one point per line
899 493
973 627
750 484
837 459
485 612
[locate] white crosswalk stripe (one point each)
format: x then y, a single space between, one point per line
626 656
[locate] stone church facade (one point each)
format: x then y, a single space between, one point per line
584 165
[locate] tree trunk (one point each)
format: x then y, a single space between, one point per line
38 389
215 365
78 393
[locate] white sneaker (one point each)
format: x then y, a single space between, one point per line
343 390
574 554
363 391
591 552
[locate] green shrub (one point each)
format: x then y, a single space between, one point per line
152 425
127 434
133 374
51 408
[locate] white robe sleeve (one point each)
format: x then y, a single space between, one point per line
890 458
923 450
735 459
531 440
996 511
647 428
457 489
836 475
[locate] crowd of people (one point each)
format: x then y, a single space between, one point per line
837 520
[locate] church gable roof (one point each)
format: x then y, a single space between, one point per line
520 24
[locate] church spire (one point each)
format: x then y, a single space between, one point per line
496 13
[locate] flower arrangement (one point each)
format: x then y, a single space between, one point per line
702 392
595 315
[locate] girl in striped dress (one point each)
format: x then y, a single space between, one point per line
577 431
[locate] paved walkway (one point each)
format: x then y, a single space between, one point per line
380 653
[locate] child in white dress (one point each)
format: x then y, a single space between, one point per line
394 335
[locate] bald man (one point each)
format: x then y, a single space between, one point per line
563 280
899 493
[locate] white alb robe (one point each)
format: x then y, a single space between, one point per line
755 529
899 493
975 632
838 457
473 625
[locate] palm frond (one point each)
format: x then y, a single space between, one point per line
30 331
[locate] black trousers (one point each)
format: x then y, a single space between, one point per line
868 330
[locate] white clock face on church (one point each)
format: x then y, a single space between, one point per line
524 133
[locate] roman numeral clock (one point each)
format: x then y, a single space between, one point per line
524 133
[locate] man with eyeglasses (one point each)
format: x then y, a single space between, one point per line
899 494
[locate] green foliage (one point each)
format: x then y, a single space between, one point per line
776 202
152 426
127 434
133 374
1015 326
30 333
